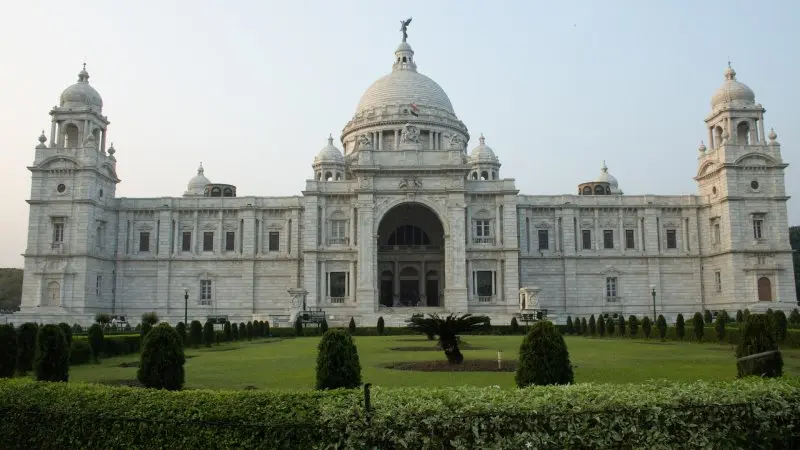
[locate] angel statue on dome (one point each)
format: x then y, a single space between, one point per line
404 26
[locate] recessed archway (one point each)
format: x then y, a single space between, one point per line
410 257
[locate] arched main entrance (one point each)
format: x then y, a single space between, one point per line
764 290
410 257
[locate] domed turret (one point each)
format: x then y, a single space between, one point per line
197 184
604 184
733 92
485 165
329 163
81 94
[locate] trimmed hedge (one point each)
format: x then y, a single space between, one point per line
26 346
52 354
8 351
748 413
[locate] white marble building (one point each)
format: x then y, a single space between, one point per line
405 218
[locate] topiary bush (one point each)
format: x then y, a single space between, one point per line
514 325
161 363
180 328
352 325
249 330
381 325
26 346
323 327
708 318
661 326
601 326
633 324
52 355
739 316
96 340
592 325
569 328
697 327
621 326
781 324
745 315
610 326
227 332
543 357
719 327
338 365
235 331
794 317
67 330
298 326
242 331
196 333
578 328
8 351
584 327
208 333
647 327
680 327
758 337
266 328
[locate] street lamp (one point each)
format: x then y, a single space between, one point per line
653 291
185 306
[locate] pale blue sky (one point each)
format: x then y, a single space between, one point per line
252 89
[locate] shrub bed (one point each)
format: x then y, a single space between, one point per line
750 413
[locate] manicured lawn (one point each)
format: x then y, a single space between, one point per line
289 363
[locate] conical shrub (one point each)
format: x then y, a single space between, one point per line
338 365
52 355
633 324
680 327
381 325
592 326
697 326
601 326
570 327
543 357
8 351
647 327
758 337
26 346
162 359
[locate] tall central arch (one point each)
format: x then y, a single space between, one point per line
411 260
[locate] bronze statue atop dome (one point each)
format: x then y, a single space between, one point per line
404 26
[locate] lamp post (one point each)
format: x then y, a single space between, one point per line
653 292
186 306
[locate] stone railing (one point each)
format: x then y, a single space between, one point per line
338 241
337 300
485 299
483 240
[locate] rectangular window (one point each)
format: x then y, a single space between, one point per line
758 227
230 241
544 240
101 237
337 287
274 241
205 292
482 228
186 243
208 241
144 241
672 239
629 240
611 288
484 283
58 232
336 232
608 239
718 280
587 239
717 234
98 285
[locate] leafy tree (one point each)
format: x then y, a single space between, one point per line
719 327
208 333
256 329
96 340
67 330
161 363
592 325
780 322
514 325
707 317
266 328
298 326
610 326
103 319
227 332
338 365
724 315
697 326
739 316
543 357
196 333
661 326
578 329
621 325
242 331
323 327
757 336
794 317
633 324
180 328
380 326
601 326
448 328
249 330
52 355
150 318
680 327
569 328
584 327
8 351
647 327
235 331
352 325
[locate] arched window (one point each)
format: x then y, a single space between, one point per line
338 176
764 290
409 272
717 136
328 176
587 190
743 133
52 296
474 175
227 192
71 136
484 175
216 192
599 190
409 235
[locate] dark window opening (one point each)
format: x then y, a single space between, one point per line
186 245
274 240
208 241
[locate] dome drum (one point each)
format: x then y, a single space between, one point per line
219 190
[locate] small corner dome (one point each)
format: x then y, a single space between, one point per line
198 182
606 177
329 154
81 94
482 153
733 92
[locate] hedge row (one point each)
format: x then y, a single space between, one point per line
749 413
113 345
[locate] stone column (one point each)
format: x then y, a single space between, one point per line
351 282
468 228
498 230
53 136
422 280
352 230
323 283
621 230
761 128
455 256
367 256
324 224
196 229
220 233
103 141
470 288
396 282
596 229
396 139
711 144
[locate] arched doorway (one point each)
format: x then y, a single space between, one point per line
764 289
410 257
52 295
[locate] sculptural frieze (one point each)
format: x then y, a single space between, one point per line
410 134
364 142
410 183
456 141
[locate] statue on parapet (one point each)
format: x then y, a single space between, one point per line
404 26
410 134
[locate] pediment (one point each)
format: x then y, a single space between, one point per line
755 160
59 162
706 168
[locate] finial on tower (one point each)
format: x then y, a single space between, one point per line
604 167
200 169
404 26
330 139
83 75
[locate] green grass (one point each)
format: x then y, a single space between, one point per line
289 363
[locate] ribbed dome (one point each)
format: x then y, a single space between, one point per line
329 154
482 153
733 92
198 183
606 177
81 94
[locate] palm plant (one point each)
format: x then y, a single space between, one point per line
448 328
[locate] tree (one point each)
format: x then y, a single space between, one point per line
338 365
758 338
103 319
647 327
569 328
621 325
448 328
719 327
610 326
323 327
52 355
67 330
601 326
739 316
745 315
8 351
235 331
633 324
26 346
196 333
707 317
249 330
96 340
697 326
161 363
514 325
592 325
150 318
266 328
794 317
583 326
680 327
208 333
242 331
298 326
227 332
352 326
779 319
661 326
578 329
543 357
180 328
380 326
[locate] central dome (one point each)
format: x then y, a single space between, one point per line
404 86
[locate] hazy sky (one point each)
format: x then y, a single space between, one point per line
252 89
